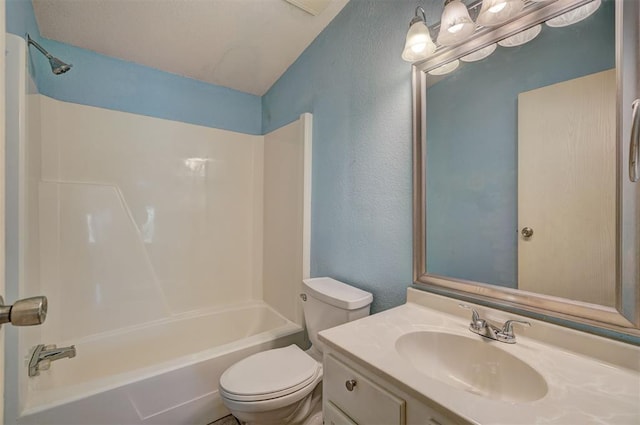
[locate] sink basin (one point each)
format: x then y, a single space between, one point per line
473 365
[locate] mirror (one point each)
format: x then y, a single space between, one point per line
517 166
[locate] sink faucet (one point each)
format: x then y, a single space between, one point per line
43 355
483 328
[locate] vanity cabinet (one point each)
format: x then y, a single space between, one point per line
354 396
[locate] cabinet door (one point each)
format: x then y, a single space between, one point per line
335 416
362 400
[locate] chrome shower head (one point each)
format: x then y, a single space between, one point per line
57 66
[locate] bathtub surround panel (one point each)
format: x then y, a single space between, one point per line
284 206
94 265
175 200
22 176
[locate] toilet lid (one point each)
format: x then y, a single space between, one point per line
269 374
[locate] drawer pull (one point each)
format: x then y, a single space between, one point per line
350 384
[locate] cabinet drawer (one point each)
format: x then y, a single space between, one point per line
366 403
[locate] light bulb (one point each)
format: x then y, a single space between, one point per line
455 28
456 24
495 12
418 45
498 7
417 48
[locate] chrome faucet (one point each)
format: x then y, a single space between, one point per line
486 329
43 355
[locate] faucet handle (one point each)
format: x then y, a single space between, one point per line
476 322
507 329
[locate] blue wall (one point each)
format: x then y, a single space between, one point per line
20 18
105 82
472 170
353 80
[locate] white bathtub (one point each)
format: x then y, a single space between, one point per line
165 372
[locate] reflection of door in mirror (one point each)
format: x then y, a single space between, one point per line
567 187
473 193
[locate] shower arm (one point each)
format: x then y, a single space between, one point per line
39 47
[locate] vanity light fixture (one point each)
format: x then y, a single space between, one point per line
495 12
456 24
576 15
418 45
521 38
479 54
446 68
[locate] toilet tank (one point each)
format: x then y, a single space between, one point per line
328 303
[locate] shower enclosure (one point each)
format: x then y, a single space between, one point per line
167 252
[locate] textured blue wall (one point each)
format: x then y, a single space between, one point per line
20 18
105 82
472 168
353 80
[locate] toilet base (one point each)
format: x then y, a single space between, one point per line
315 418
307 411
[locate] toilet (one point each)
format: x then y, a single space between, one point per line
284 385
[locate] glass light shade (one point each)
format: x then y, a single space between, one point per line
495 12
521 38
479 54
418 45
456 24
446 68
576 15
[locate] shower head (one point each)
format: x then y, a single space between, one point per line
57 66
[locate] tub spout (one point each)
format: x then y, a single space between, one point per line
43 355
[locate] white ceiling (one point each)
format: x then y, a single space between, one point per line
242 44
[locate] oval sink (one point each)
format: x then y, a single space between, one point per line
473 365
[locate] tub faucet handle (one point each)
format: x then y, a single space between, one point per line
25 312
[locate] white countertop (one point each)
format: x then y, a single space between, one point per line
590 379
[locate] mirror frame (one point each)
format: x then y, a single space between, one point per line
566 310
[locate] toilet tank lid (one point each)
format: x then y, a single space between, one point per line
336 293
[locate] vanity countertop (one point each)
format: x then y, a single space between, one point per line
590 379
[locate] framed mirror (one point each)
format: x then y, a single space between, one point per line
522 136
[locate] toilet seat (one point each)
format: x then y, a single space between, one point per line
271 374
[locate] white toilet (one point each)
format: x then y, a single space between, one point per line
284 385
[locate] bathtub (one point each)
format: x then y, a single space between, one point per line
164 372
